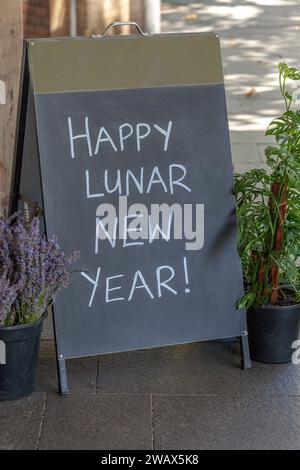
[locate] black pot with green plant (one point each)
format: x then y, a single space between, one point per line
32 271
268 210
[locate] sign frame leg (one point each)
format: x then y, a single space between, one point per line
62 377
245 354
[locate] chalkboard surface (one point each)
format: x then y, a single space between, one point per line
163 140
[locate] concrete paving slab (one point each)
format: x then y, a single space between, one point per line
228 15
240 137
243 167
199 368
182 422
261 150
88 421
21 422
245 153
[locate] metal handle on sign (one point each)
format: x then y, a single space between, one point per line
123 23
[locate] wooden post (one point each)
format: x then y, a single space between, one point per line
59 18
137 12
93 15
11 37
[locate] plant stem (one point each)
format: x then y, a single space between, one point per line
279 192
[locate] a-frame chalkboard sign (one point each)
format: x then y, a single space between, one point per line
126 124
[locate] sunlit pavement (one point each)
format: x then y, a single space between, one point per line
193 396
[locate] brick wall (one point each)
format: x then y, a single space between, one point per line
36 18
43 18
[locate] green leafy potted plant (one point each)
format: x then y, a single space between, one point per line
268 210
32 271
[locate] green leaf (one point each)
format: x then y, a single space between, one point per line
247 300
288 122
288 267
288 72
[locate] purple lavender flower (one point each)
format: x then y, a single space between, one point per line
32 270
7 298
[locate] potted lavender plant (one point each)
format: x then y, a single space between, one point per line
32 271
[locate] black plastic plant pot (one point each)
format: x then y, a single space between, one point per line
18 360
272 331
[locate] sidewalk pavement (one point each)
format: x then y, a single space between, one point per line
181 397
191 396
